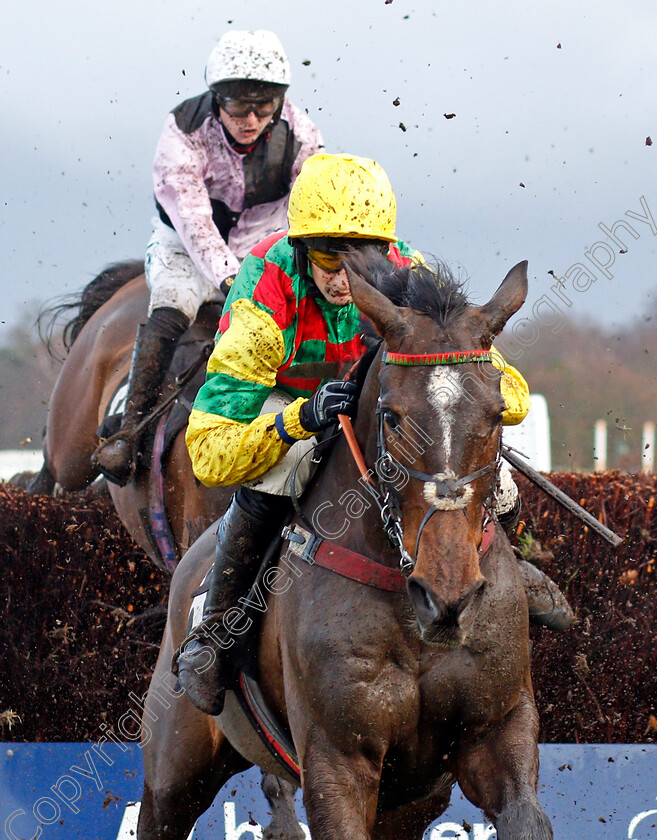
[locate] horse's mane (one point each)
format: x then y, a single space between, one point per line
84 303
428 289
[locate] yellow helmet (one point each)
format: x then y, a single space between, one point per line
342 195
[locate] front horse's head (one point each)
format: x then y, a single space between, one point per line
439 424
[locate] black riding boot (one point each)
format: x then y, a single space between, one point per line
202 663
154 348
547 604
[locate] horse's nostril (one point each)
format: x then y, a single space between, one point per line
436 617
466 599
426 598
428 610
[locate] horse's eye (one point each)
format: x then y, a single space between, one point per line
391 419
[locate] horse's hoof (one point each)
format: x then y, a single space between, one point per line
547 604
114 459
557 620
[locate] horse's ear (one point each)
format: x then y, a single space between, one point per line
382 312
506 301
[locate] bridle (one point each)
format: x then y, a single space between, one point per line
383 491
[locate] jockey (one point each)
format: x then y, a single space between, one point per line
224 167
288 313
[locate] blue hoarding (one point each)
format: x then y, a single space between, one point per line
590 792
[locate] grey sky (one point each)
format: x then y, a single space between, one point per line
86 87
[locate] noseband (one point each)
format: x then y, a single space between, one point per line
447 489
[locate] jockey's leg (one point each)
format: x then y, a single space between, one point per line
178 290
245 532
255 514
154 348
547 603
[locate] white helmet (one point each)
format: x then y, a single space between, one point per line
256 55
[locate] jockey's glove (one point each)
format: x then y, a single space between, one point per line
333 398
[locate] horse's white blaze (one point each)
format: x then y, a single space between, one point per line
444 389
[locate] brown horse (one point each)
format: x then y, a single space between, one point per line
100 338
389 696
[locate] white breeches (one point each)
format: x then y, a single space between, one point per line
172 277
278 480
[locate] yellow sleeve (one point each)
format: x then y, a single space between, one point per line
225 452
514 389
228 440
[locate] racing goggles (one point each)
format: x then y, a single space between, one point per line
327 262
333 261
242 107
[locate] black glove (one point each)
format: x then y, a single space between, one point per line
322 409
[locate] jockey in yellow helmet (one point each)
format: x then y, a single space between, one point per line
289 323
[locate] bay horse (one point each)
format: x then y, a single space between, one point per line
389 695
99 337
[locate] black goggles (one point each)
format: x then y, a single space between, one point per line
242 107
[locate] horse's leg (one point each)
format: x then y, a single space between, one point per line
186 761
498 772
340 791
170 813
280 795
411 821
41 484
